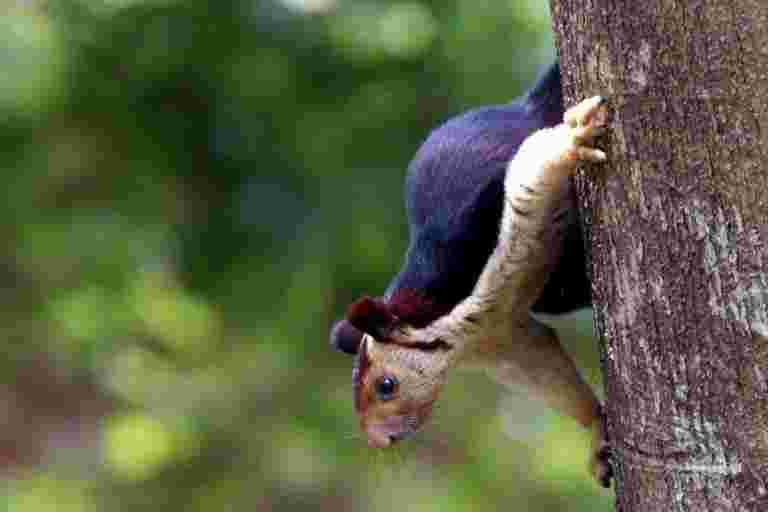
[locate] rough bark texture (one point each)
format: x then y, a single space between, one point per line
678 229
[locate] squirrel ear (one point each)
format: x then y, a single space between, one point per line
345 338
372 317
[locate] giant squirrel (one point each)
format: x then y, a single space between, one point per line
494 235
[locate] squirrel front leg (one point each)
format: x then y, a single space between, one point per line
521 352
537 203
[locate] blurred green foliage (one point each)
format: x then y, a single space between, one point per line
194 191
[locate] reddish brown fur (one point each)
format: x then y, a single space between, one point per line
371 316
415 308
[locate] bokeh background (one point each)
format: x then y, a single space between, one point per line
194 191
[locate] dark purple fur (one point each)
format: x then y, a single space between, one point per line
454 197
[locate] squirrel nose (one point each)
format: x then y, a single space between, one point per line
379 440
380 437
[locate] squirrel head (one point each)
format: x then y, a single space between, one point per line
399 370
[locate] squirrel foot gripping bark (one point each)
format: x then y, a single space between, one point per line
600 463
494 235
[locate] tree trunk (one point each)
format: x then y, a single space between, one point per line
678 231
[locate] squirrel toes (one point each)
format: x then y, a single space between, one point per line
495 235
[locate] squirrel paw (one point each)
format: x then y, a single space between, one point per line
600 463
584 122
553 153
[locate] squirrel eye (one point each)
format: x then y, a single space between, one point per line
386 387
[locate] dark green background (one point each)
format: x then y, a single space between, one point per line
194 191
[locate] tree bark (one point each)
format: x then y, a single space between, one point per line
677 224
